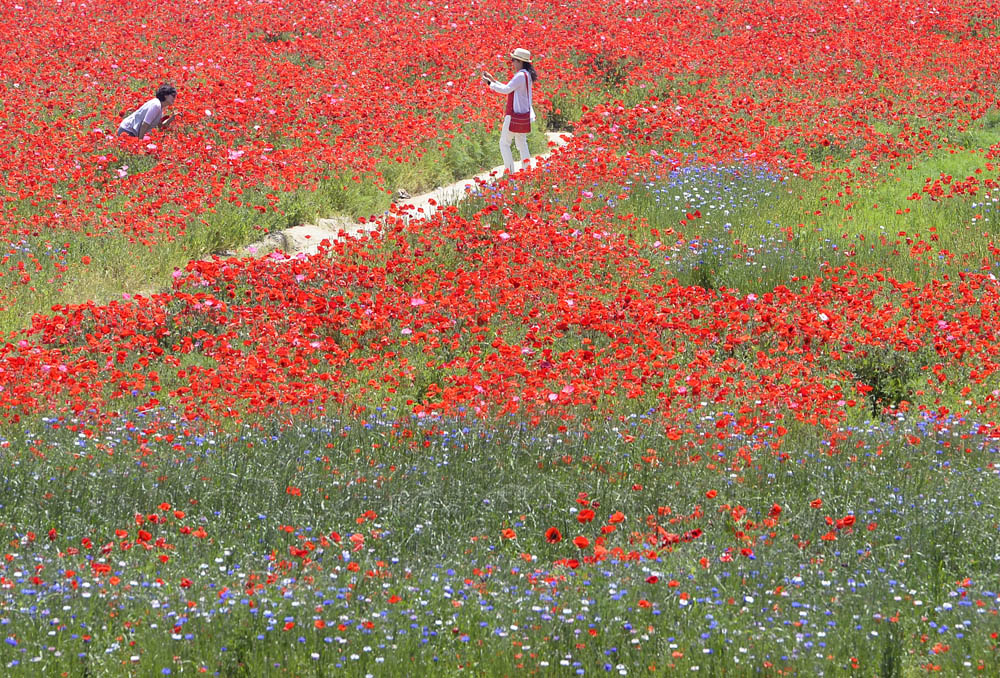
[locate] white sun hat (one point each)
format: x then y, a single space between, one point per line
521 54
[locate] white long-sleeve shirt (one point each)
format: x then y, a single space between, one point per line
519 86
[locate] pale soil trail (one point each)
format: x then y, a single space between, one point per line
305 239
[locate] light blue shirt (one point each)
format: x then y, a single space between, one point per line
151 113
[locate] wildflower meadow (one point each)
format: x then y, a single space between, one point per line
711 390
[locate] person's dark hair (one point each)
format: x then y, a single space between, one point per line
526 66
165 90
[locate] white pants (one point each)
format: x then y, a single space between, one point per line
520 138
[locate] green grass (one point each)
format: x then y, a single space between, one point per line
471 600
121 264
442 501
756 233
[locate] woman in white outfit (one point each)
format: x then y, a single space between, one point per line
518 113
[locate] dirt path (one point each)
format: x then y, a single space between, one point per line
305 239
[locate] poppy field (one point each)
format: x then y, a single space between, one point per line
713 390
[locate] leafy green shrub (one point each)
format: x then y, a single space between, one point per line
889 373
